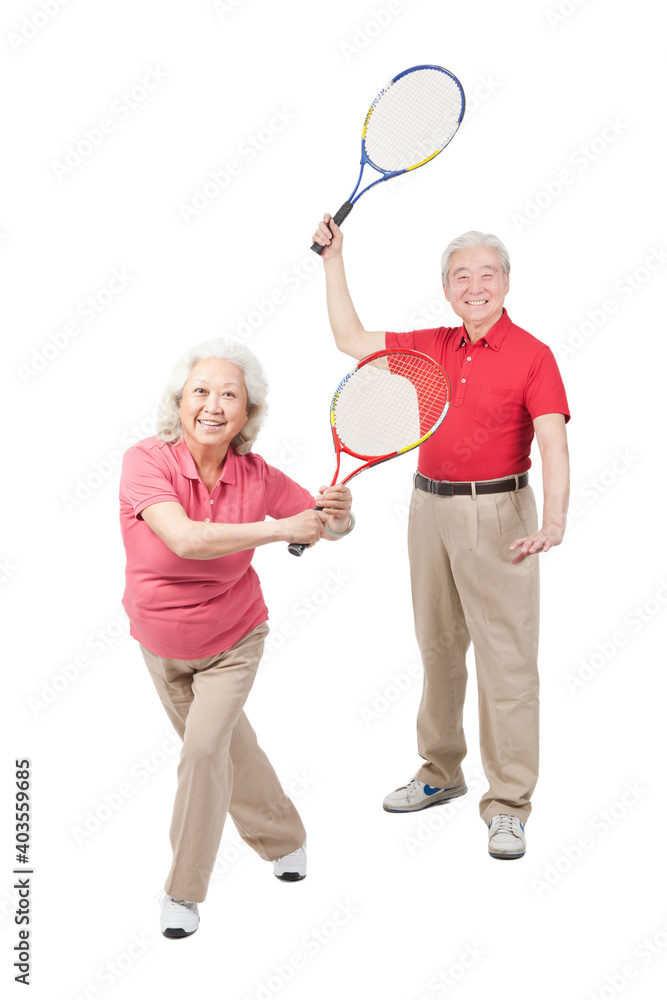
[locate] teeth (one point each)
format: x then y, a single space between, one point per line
476 302
209 423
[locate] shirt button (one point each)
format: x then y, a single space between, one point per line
211 501
468 359
207 519
463 380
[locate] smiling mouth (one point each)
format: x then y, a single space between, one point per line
476 302
211 423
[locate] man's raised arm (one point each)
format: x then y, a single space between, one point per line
350 336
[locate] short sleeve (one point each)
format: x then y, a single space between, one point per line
143 482
431 341
545 392
396 341
284 497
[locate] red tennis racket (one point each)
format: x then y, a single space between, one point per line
390 403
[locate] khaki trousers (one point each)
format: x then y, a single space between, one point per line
464 587
222 768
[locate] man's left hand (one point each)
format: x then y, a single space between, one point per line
540 541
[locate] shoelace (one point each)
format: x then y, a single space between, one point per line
504 825
412 789
184 902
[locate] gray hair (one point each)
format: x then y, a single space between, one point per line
169 426
467 241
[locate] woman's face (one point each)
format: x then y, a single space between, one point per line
214 404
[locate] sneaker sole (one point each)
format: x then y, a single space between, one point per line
290 877
456 793
506 857
178 932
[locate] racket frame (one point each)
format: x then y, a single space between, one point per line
298 548
388 174
347 206
378 459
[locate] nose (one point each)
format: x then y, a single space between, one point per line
213 404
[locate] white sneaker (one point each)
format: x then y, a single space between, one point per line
291 868
507 838
178 917
416 795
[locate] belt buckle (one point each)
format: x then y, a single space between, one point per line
449 488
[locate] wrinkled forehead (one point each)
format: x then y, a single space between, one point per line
218 372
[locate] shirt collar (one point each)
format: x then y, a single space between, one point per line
187 467
495 336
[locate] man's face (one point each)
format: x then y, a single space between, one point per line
477 285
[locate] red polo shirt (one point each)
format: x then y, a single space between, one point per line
189 609
499 385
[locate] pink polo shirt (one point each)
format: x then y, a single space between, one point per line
189 609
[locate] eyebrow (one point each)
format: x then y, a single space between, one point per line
206 382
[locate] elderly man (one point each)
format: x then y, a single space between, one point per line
473 533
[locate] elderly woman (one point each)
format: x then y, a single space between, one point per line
194 502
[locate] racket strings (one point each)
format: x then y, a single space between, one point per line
413 119
388 406
429 384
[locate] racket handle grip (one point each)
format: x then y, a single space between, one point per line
296 548
338 218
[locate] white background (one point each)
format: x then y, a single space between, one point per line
398 901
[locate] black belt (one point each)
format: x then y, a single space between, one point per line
446 489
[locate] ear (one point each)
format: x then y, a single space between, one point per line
444 288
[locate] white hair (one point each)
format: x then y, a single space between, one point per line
467 241
169 427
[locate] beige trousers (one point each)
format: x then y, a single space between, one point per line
465 587
222 768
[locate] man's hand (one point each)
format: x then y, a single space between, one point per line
541 541
336 503
552 441
330 237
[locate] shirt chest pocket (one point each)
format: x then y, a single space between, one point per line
494 406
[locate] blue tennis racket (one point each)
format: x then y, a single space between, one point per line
410 121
